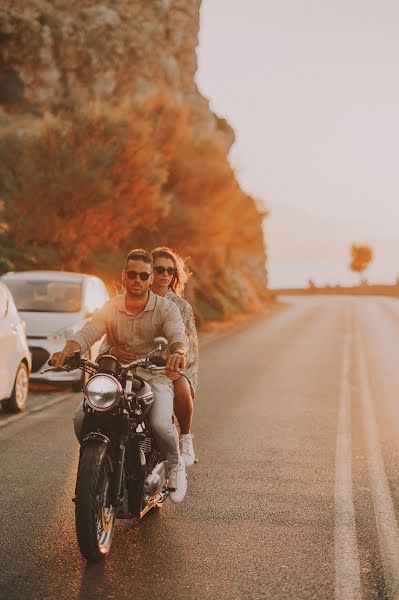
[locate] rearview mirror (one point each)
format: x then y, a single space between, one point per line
161 343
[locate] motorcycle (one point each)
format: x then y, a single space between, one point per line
121 472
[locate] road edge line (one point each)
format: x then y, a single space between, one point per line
384 512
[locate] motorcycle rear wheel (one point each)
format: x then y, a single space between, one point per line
94 514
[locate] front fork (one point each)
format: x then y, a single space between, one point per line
128 460
118 483
117 452
118 487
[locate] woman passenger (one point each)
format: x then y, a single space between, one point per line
170 277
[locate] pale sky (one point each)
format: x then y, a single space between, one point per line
311 88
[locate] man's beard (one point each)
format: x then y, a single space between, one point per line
139 293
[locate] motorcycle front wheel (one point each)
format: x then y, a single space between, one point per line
94 514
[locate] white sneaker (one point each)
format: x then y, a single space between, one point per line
187 449
178 481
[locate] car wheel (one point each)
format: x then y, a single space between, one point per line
17 401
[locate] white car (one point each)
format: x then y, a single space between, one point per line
54 305
15 360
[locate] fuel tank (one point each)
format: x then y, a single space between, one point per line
144 396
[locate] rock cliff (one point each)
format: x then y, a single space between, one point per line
61 56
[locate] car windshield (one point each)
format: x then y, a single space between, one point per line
46 296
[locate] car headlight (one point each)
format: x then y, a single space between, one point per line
103 392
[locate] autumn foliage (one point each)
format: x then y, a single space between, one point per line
80 192
77 186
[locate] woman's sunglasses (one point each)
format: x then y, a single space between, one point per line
161 270
133 274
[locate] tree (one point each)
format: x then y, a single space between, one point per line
82 189
361 257
80 185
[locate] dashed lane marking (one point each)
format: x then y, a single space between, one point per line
347 569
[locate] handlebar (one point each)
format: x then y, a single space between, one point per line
156 369
146 363
154 364
71 363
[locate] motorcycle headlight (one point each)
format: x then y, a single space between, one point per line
103 392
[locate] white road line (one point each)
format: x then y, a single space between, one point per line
35 409
387 527
347 568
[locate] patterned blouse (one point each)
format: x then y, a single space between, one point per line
191 331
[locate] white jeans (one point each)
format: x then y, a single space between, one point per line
160 417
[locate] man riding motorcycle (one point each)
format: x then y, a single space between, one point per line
131 321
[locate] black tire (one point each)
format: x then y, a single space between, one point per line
94 516
17 401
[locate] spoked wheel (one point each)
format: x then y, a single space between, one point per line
94 513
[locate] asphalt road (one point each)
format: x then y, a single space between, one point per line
296 494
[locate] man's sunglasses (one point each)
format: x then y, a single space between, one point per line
133 274
161 270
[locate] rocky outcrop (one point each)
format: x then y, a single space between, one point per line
65 53
60 58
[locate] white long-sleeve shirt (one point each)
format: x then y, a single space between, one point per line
160 317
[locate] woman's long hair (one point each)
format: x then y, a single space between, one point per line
180 277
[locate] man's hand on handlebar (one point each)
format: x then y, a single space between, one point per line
175 361
58 358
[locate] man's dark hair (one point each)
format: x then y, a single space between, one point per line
139 254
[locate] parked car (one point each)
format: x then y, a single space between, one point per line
54 305
15 359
